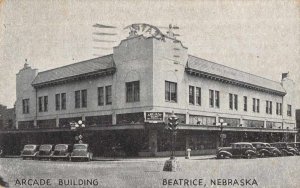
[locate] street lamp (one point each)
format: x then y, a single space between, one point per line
78 126
222 136
172 126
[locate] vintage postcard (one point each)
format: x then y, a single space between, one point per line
149 93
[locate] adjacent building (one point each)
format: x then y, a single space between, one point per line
124 100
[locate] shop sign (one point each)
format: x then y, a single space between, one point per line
154 117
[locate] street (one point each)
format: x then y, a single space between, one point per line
195 172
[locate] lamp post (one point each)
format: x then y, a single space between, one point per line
171 164
172 126
222 136
78 126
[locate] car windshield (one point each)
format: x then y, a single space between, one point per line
29 147
268 145
60 147
45 147
80 146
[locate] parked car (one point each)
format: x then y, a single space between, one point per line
81 152
284 148
237 150
61 151
293 146
266 150
45 151
29 151
1 151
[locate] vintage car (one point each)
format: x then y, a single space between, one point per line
295 146
45 151
266 150
81 152
1 151
284 148
29 151
61 151
237 150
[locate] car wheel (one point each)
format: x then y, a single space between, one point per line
249 156
275 154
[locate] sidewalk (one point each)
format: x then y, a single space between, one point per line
149 159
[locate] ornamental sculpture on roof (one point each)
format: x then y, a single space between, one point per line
145 30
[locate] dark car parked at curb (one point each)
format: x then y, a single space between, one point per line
284 148
237 150
266 150
45 151
81 152
1 151
29 151
294 146
61 151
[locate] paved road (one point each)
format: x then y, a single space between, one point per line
196 172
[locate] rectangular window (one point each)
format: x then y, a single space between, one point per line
191 95
198 95
230 101
277 108
133 91
40 104
280 108
245 104
217 97
57 101
257 105
211 98
84 98
45 103
267 107
100 96
254 105
289 110
25 105
235 102
170 91
270 109
77 99
63 101
108 95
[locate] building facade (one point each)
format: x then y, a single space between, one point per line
113 93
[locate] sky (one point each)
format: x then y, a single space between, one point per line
259 37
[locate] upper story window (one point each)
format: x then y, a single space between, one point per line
256 105
60 101
279 108
236 102
191 94
198 95
214 98
289 110
170 91
269 107
233 101
43 103
81 98
108 95
100 96
230 101
133 91
245 103
25 106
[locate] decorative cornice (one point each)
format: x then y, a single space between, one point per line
219 78
98 73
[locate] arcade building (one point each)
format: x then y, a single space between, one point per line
124 100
